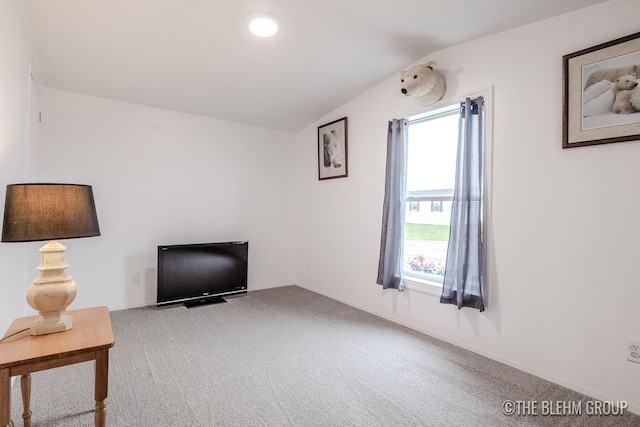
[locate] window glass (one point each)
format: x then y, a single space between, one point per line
431 170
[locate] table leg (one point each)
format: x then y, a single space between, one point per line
102 387
5 397
25 386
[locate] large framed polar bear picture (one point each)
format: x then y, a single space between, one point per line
332 149
601 93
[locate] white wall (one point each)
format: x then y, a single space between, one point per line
563 284
14 147
161 177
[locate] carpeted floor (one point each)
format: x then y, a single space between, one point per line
290 357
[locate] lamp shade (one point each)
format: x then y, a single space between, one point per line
49 212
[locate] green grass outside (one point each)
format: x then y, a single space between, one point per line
426 232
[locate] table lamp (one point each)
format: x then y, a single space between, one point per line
34 212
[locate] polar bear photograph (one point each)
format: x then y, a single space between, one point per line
332 149
610 92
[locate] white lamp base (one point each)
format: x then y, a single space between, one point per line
50 323
52 292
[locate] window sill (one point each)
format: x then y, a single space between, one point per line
423 286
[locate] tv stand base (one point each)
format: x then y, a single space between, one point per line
204 301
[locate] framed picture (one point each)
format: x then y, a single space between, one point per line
600 102
332 149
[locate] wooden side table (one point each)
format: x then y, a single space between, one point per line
90 339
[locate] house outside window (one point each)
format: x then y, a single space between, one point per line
431 166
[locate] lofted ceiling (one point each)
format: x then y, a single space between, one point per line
197 56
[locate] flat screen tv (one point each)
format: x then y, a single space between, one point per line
201 273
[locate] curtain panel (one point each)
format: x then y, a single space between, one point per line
463 283
390 263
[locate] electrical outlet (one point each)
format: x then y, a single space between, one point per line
633 351
135 278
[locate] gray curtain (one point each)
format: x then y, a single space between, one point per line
464 274
390 263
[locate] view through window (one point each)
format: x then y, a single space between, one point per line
431 168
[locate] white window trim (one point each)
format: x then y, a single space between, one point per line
422 286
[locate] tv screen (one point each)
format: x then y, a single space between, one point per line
201 273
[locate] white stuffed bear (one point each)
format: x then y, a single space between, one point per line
423 82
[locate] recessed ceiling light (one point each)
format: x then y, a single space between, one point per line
264 24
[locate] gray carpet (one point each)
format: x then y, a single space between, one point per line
290 357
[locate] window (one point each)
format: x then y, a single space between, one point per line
414 250
431 168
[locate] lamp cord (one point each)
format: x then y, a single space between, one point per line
15 333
